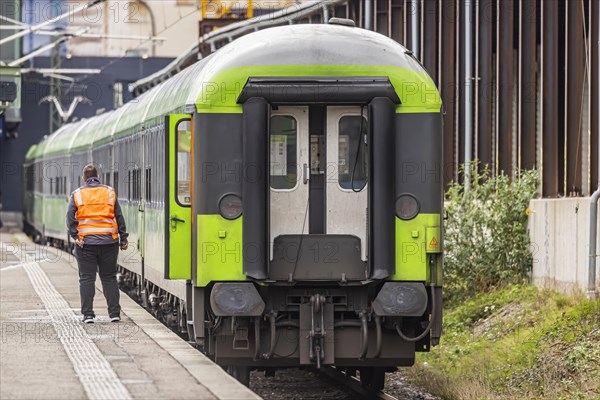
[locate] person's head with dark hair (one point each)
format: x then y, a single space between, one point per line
89 171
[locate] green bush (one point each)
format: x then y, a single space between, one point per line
486 242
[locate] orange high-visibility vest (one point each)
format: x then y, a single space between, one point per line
96 211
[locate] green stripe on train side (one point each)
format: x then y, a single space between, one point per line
412 245
154 238
55 211
416 90
219 249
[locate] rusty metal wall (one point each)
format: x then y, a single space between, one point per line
531 57
535 80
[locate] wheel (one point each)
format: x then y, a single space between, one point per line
350 372
241 373
372 377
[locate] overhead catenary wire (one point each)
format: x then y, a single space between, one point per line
112 62
37 51
34 28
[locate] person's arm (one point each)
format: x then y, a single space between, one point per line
72 222
121 224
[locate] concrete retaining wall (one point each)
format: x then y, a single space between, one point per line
559 231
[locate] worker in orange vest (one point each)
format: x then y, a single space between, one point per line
97 226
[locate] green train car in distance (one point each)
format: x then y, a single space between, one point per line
284 198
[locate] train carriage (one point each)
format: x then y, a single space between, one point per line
284 198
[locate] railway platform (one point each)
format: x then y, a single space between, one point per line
46 352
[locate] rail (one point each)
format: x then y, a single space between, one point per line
353 384
591 292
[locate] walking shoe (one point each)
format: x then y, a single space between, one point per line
88 319
115 319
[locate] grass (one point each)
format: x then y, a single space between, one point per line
515 343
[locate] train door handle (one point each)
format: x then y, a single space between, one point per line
306 173
174 221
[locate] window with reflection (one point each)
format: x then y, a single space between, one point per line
184 167
284 149
353 158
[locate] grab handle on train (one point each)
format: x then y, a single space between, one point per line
174 221
306 173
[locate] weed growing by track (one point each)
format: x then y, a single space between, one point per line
515 343
503 338
486 243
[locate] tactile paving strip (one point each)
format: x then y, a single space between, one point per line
93 370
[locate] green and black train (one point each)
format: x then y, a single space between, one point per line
284 199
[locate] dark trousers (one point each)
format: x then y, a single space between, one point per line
102 259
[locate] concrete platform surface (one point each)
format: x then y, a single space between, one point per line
46 352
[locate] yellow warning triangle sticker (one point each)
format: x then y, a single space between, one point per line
433 242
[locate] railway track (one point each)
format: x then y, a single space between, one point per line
353 384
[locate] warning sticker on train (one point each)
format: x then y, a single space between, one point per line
433 244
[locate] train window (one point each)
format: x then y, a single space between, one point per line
284 148
352 159
138 184
116 182
134 185
184 168
28 178
39 180
107 179
148 184
64 185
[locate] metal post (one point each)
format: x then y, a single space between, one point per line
203 4
55 90
460 129
468 19
430 39
369 14
595 93
528 86
250 12
506 76
414 26
550 99
485 89
591 290
575 73
448 85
